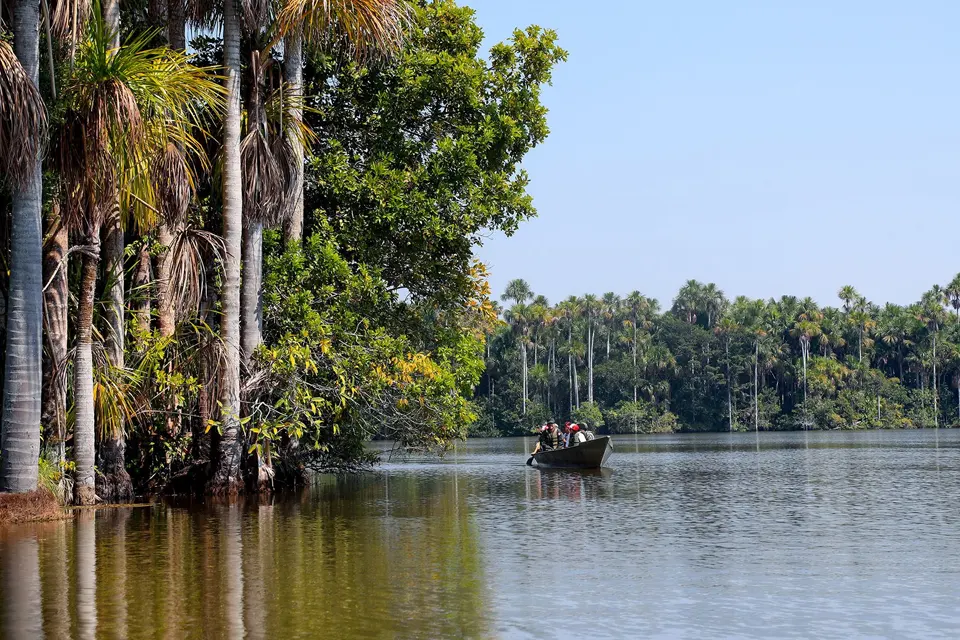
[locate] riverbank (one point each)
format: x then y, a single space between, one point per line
36 506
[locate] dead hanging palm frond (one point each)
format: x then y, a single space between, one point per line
191 252
23 120
69 20
174 184
372 27
264 187
267 158
283 108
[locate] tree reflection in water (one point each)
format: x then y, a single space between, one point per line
370 556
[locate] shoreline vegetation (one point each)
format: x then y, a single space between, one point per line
232 262
707 363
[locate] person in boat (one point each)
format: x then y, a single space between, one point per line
550 438
577 435
585 431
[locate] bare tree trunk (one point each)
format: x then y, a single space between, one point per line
113 482
142 279
176 24
251 303
936 416
293 72
756 388
729 393
226 474
523 354
576 384
166 317
84 427
54 416
22 380
589 360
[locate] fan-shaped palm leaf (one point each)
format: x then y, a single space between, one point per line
370 27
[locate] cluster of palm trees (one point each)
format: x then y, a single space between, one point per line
722 364
106 143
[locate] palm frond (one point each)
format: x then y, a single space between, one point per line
371 27
191 251
23 119
126 106
174 182
69 19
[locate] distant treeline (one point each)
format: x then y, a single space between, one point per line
711 364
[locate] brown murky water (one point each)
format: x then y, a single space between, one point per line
782 535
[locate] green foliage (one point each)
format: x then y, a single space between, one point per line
589 415
711 364
640 417
335 371
421 155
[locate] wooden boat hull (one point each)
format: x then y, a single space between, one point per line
589 455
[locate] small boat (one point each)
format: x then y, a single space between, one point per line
588 455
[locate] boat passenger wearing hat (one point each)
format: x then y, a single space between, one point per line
550 438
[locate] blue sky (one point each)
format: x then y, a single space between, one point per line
770 147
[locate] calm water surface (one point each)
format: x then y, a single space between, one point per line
783 535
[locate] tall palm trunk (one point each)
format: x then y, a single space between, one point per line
523 355
114 481
634 360
756 387
251 303
729 392
226 473
805 349
293 71
142 279
936 417
20 435
570 361
589 360
251 286
166 233
84 421
54 415
576 384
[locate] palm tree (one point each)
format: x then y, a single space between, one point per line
847 294
805 329
930 312
860 316
293 72
519 317
610 311
726 328
952 292
22 127
590 309
714 302
126 104
639 307
517 291
689 301
226 472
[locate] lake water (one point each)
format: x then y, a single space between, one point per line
797 535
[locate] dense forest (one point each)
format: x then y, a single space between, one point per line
228 267
707 363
